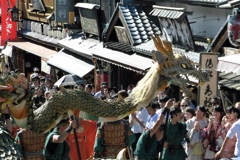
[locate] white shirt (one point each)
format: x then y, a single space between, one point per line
151 121
235 130
142 115
159 111
190 123
97 95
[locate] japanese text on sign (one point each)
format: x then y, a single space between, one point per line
61 10
209 89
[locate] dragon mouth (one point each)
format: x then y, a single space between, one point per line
192 78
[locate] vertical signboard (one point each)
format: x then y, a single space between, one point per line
178 31
89 21
61 10
207 91
9 27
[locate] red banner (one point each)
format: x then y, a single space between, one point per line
9 28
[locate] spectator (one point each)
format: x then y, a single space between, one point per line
137 121
101 92
56 146
35 83
216 101
232 117
112 91
184 103
200 111
48 84
88 88
130 88
152 118
214 130
195 152
162 101
80 86
232 132
35 73
189 113
147 144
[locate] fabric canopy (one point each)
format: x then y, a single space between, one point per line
71 63
132 62
32 48
229 64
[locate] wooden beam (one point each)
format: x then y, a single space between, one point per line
220 41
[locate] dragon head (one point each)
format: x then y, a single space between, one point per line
176 69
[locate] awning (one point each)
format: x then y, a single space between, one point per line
87 5
33 48
228 4
169 12
229 80
7 50
71 63
229 64
78 44
132 62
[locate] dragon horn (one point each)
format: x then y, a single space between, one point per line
158 44
168 47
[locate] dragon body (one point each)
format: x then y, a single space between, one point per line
166 68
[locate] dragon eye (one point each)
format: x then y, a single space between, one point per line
184 66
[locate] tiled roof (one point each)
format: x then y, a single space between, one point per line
37 36
119 46
146 48
139 24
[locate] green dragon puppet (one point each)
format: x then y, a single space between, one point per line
14 93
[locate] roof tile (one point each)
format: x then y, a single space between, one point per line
139 25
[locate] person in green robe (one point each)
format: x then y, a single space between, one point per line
56 147
146 148
176 133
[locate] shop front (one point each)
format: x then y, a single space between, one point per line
26 55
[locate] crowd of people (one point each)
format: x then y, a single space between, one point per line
165 129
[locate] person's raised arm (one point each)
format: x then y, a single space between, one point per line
160 119
63 136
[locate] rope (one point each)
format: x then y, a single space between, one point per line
224 98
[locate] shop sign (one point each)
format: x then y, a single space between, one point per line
61 10
8 31
208 61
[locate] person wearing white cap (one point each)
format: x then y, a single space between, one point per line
34 74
